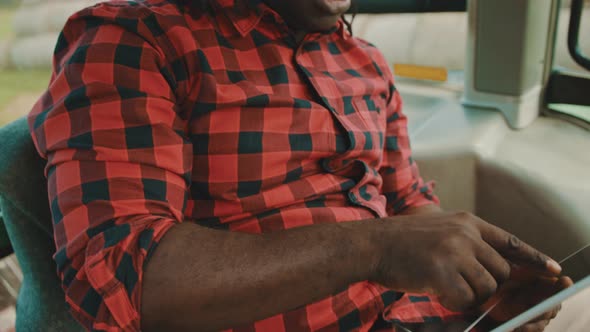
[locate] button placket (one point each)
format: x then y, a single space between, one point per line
323 89
327 91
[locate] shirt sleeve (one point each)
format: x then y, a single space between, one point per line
403 186
118 161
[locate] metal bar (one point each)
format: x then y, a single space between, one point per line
573 35
407 6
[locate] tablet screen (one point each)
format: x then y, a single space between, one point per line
577 266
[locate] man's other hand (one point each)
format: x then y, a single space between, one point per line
455 256
524 290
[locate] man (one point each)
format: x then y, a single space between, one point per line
245 164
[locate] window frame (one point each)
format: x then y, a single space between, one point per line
565 86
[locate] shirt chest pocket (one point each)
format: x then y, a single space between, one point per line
369 114
364 119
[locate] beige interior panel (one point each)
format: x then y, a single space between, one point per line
534 182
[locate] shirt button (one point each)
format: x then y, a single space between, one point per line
352 197
326 165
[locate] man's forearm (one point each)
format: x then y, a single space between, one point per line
424 209
201 279
230 279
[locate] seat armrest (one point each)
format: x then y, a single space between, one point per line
22 180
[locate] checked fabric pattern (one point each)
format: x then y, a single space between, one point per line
162 112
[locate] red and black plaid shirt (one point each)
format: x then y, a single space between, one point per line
159 113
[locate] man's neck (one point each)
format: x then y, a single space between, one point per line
299 35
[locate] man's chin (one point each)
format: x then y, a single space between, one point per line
322 24
333 7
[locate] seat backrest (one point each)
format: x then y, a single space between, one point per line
21 174
23 201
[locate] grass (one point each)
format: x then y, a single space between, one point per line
15 82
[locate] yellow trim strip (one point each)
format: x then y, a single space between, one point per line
420 72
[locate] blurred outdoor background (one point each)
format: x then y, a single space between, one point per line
29 28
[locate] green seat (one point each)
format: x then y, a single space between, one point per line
27 221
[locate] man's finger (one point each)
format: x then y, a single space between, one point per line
565 282
554 312
549 315
457 294
482 283
533 327
494 263
517 251
545 288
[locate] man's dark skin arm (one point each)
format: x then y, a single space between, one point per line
235 279
253 260
420 210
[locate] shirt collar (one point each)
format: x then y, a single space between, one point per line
341 30
244 15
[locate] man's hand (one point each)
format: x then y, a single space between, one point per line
523 291
456 256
